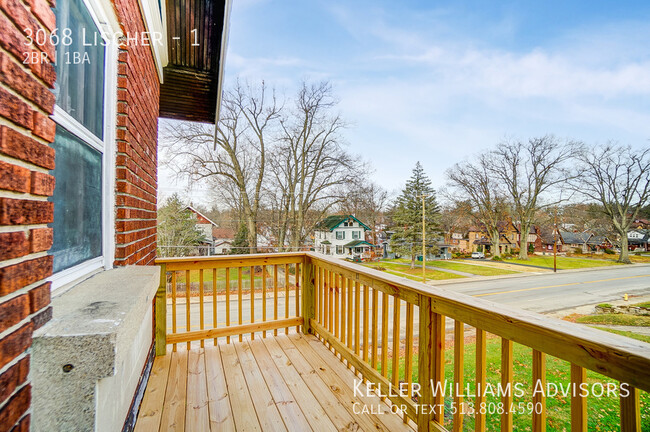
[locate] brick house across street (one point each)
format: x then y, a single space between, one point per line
78 186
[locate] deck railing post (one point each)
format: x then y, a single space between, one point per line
426 367
308 296
160 319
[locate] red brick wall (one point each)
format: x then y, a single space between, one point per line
137 137
25 183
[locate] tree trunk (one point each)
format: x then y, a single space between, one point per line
412 259
624 256
252 234
495 244
523 242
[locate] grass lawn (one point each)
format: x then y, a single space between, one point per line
642 338
603 412
615 319
458 266
639 258
234 276
413 274
643 305
563 263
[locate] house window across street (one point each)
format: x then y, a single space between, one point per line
356 235
339 250
340 235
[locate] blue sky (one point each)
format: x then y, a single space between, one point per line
440 81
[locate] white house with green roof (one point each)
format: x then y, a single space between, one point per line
341 236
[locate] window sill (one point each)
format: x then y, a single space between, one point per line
102 328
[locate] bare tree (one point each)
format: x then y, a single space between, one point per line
474 183
529 170
617 177
237 159
309 165
367 201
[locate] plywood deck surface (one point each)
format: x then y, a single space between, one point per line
281 383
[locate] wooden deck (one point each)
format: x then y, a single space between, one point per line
276 383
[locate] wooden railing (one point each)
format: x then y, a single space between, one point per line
375 322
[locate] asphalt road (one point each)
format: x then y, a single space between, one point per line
542 293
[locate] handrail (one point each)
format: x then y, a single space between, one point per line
612 355
347 306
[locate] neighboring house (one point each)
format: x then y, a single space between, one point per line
204 224
585 241
341 236
222 239
508 238
459 241
637 239
78 191
544 239
641 223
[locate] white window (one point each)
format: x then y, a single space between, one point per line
339 250
84 113
356 235
340 235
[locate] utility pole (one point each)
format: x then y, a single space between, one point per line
555 242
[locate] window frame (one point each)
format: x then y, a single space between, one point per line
342 233
103 15
340 251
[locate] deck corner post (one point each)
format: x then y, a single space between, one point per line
307 294
160 319
425 362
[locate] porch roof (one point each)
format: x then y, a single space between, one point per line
197 35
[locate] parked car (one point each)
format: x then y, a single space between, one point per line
478 255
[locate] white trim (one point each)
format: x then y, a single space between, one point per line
103 14
155 24
71 274
77 129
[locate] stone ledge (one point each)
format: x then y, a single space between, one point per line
96 343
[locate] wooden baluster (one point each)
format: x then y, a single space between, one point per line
160 317
408 361
507 375
264 297
330 301
214 301
366 308
357 311
309 305
439 365
375 323
317 288
252 297
337 292
326 299
384 334
459 359
297 292
539 398
174 306
227 301
630 410
239 297
286 295
344 310
188 286
481 374
578 400
201 306
396 324
275 297
350 311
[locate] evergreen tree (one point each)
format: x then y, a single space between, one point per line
177 227
407 217
240 243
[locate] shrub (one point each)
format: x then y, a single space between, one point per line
380 268
609 251
605 305
497 258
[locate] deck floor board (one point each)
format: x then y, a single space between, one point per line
285 383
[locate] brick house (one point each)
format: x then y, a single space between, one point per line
78 185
